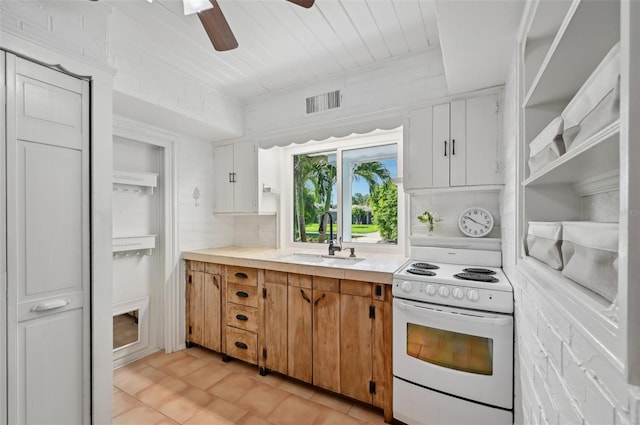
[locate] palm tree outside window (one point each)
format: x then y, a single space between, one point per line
368 211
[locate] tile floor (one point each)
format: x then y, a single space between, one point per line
195 386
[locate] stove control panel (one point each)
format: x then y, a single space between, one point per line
479 299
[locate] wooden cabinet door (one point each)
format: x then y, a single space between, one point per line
458 140
299 338
418 172
211 312
195 307
483 164
356 362
326 338
275 321
441 146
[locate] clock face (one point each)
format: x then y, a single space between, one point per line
476 222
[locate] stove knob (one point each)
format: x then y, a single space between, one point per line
443 291
406 286
431 290
458 293
473 295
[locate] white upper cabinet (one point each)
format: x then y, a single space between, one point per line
453 144
236 178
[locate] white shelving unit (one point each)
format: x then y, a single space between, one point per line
144 244
564 43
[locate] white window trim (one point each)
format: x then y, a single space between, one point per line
375 138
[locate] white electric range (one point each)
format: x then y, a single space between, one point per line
453 338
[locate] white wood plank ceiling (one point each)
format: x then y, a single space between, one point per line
283 45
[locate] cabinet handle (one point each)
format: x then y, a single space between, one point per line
242 294
445 148
453 147
233 177
242 317
318 300
240 275
241 345
230 177
305 296
50 305
215 282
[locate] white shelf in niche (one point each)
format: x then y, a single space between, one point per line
453 189
139 179
567 65
597 156
122 246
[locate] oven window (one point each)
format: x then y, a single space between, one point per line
467 353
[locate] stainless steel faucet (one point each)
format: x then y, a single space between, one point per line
332 243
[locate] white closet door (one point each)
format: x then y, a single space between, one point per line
222 177
3 252
48 245
441 145
418 149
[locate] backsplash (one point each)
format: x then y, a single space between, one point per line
448 206
255 230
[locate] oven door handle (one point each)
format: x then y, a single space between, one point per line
427 311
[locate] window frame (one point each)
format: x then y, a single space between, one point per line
339 145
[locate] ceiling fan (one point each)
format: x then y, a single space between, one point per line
215 24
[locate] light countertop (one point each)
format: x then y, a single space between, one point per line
376 268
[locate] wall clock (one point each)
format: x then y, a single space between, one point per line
475 222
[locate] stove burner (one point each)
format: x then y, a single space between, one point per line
425 266
421 272
479 270
478 277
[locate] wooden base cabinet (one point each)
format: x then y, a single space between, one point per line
203 318
335 334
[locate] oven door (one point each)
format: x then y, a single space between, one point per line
464 353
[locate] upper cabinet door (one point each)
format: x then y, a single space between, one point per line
245 179
223 174
483 156
441 145
417 150
458 148
236 178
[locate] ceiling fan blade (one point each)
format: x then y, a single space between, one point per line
303 3
217 28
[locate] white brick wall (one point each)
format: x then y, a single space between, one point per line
71 27
149 77
560 376
409 80
198 227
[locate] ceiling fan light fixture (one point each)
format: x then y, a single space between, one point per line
195 6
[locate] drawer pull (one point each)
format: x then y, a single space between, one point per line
241 345
242 294
242 317
241 275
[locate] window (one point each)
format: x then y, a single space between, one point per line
352 190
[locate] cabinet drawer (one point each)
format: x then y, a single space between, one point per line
242 275
242 345
242 294
243 317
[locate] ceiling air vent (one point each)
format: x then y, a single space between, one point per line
323 102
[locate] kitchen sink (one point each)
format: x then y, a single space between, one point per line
320 259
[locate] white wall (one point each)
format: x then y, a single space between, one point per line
199 228
144 74
405 81
560 376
